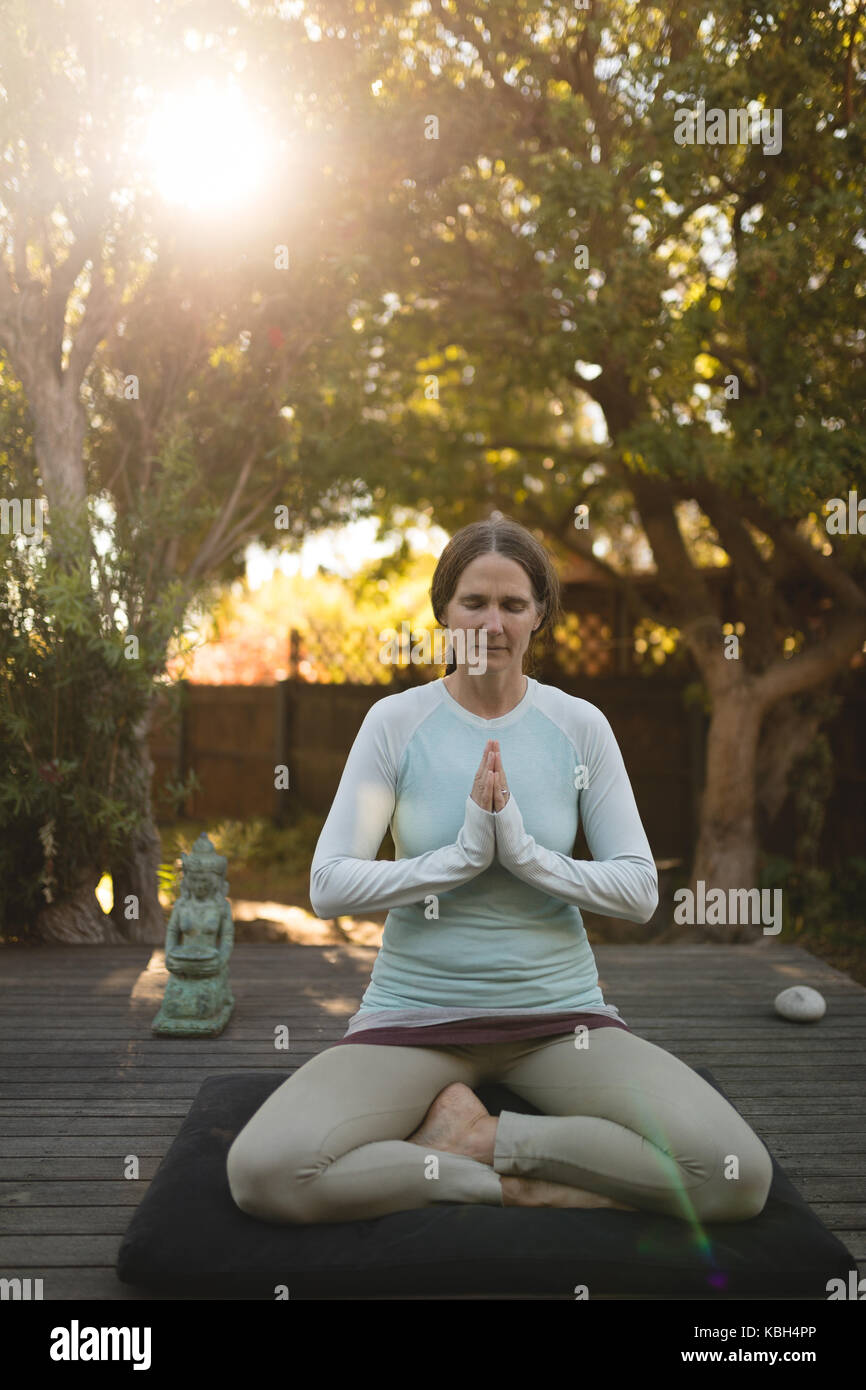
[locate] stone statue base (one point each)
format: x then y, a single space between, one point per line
195 1007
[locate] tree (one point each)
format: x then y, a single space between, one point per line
718 292
177 401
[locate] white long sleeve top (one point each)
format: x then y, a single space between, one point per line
484 909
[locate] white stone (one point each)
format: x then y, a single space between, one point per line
801 1004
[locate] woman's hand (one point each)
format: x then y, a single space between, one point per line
482 787
490 789
501 794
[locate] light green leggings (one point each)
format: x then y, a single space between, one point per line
620 1116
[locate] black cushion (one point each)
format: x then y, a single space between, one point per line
188 1235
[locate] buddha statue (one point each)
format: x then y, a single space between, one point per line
198 942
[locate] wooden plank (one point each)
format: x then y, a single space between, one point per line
65 1220
169 1081
62 1194
36 1128
841 1216
821 1188
808 1144
78 1146
787 1118
96 1108
149 1071
67 1167
53 1251
829 1165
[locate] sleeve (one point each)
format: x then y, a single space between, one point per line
345 875
621 879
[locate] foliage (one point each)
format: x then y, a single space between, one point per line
339 621
253 843
74 692
822 910
710 266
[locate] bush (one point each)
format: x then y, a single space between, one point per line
258 843
74 691
818 900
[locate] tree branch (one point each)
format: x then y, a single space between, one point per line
212 539
679 579
231 540
753 582
469 34
822 567
815 665
99 314
580 543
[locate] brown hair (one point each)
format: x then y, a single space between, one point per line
503 536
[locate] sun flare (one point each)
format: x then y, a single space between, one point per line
205 148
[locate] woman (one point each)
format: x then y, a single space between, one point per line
485 972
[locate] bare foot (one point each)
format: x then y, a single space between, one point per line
535 1192
458 1123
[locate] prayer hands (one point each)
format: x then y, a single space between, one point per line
490 789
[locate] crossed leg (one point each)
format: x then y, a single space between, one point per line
330 1143
625 1118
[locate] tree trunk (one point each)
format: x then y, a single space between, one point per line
789 730
726 854
136 916
77 919
137 913
59 427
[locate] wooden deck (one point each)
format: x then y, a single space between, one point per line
83 1082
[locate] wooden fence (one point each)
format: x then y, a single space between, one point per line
234 737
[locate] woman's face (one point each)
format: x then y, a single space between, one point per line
494 595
